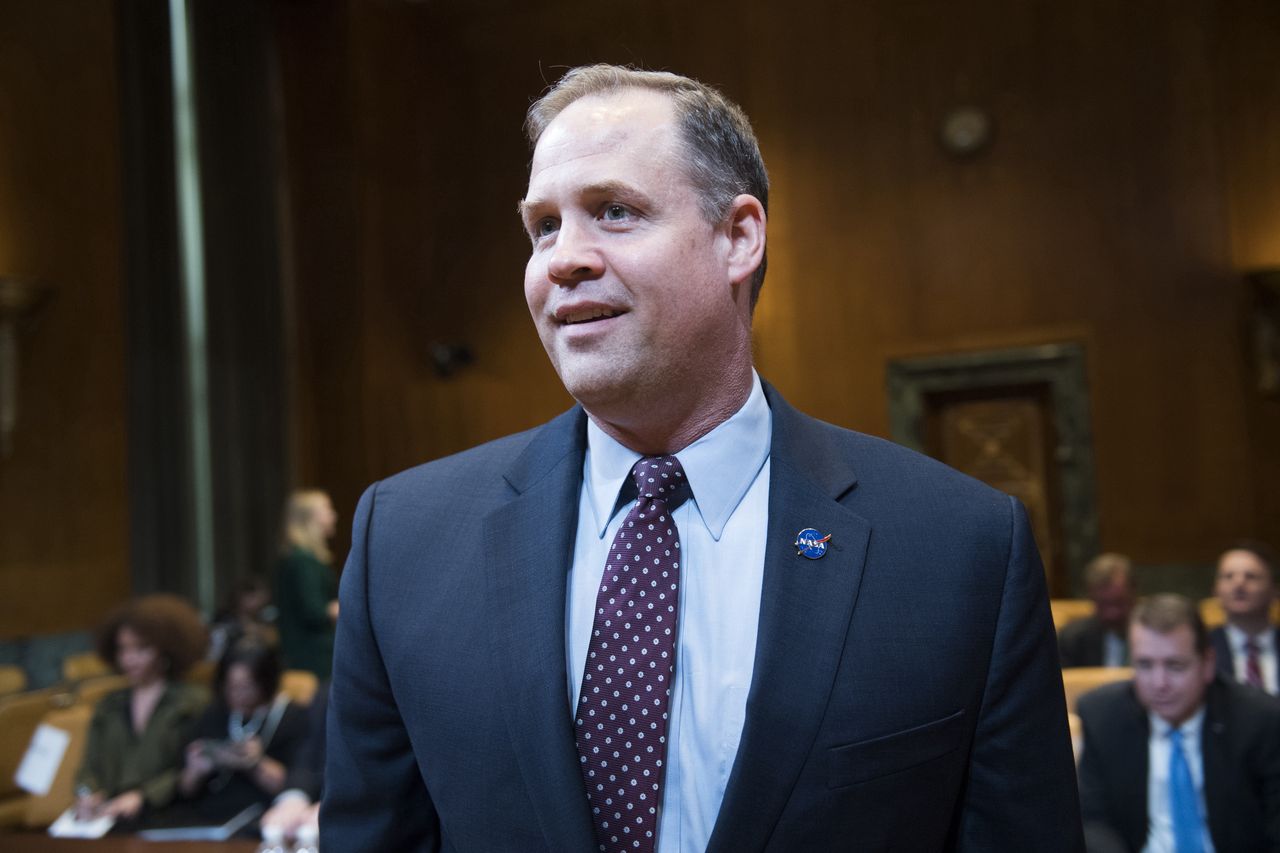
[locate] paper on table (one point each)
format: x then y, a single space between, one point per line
67 826
44 755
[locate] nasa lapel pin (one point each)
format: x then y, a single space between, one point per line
812 544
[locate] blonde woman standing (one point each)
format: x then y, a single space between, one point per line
305 587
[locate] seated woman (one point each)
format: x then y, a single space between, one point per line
247 739
134 748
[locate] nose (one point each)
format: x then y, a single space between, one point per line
576 256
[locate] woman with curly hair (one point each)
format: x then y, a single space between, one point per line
134 750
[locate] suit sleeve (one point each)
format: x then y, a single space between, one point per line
374 796
1021 788
1070 641
1101 836
1267 760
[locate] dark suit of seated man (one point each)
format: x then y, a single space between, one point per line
684 616
1101 639
1248 645
1178 757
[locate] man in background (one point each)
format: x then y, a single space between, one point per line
1177 758
1102 639
1247 644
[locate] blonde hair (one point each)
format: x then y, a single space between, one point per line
299 524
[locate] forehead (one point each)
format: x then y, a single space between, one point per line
1241 561
1147 643
597 135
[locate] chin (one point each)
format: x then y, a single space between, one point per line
595 383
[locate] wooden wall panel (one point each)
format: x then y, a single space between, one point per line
63 523
1133 174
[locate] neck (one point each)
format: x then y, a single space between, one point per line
1252 624
676 420
151 685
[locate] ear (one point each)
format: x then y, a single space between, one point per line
745 227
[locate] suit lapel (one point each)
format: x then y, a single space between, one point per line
805 609
529 543
1135 748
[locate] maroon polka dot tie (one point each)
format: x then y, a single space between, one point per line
621 718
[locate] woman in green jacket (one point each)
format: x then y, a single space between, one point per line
134 750
306 590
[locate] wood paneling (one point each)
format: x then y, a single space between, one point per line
63 523
1133 173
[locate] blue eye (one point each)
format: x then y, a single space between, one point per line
545 226
615 212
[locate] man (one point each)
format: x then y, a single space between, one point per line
1247 644
1100 639
1174 759
862 652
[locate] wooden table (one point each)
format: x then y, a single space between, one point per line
40 843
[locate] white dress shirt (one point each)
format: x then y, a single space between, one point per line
1159 817
1266 656
722 532
1115 650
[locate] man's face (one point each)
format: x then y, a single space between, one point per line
627 281
1169 676
1243 585
1113 601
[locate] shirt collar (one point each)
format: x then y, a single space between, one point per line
1190 729
1238 638
720 467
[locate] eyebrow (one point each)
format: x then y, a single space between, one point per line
617 189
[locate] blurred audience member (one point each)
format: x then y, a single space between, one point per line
306 590
299 804
1178 757
1247 644
247 739
247 617
1101 639
134 748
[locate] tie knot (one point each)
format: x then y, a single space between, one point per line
1252 646
660 478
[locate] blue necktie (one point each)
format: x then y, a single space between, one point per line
1184 805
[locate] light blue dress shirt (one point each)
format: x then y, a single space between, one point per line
1159 818
722 536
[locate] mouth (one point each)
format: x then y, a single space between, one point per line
584 314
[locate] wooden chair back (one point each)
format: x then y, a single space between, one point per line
13 679
1067 610
43 810
1079 680
299 685
82 665
19 716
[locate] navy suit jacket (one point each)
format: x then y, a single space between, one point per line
1226 663
1083 643
1240 748
906 693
